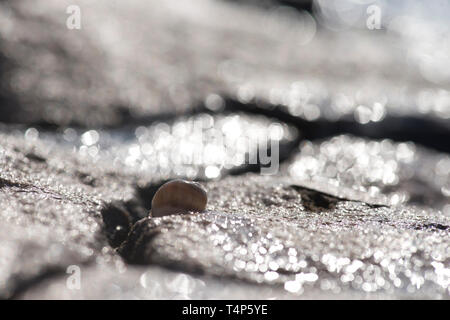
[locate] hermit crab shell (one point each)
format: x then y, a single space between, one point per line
178 197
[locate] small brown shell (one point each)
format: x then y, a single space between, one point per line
178 197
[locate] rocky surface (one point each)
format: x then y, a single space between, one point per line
275 232
294 236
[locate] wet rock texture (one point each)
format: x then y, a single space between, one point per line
273 232
294 237
94 121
